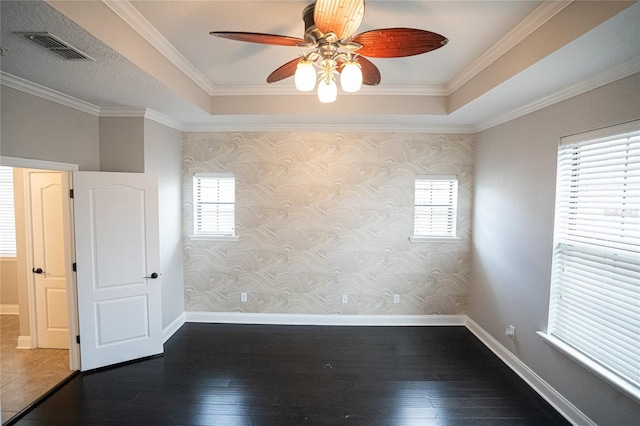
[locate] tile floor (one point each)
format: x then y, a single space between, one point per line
26 374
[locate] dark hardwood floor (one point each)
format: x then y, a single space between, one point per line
215 374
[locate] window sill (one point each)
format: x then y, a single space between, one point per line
213 237
591 365
8 258
421 239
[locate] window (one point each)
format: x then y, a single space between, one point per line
214 205
436 199
7 214
595 288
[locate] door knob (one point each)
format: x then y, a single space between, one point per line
153 276
38 271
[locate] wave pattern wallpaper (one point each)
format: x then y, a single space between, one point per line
322 215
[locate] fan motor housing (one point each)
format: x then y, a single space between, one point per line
311 33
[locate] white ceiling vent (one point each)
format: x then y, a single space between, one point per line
57 46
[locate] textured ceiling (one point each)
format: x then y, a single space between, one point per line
110 81
206 82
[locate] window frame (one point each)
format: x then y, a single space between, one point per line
212 236
452 217
571 239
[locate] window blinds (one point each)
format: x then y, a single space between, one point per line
7 214
595 293
436 200
214 204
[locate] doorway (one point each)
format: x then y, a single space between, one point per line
119 307
38 345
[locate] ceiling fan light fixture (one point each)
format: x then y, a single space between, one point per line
330 32
305 76
327 91
351 77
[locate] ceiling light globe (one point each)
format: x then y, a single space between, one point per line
351 77
327 92
305 76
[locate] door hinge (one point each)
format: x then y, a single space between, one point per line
71 193
74 267
78 339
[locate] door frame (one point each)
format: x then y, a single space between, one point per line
66 170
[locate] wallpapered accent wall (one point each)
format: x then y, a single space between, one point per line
320 215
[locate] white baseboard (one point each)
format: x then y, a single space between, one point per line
553 397
25 342
172 328
8 309
338 320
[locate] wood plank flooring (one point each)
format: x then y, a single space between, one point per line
216 374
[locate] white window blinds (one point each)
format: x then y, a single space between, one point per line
7 214
595 293
436 199
214 204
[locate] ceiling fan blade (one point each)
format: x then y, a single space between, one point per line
278 40
285 71
370 73
342 17
398 42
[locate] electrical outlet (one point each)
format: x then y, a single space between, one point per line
396 298
345 298
510 332
243 297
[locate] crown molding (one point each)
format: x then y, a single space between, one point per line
528 25
43 92
279 90
291 127
616 73
128 13
147 113
160 118
123 112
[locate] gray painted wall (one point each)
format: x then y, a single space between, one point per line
39 129
8 281
35 128
141 145
163 158
320 215
512 238
122 144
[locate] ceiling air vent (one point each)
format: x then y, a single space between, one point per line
57 46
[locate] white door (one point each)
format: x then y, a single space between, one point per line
48 259
117 256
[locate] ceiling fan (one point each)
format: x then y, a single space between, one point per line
330 27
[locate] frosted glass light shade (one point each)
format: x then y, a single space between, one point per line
351 77
305 76
327 93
